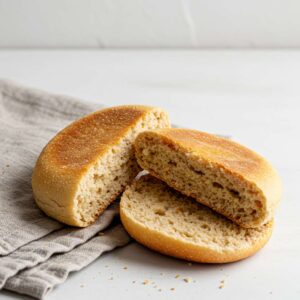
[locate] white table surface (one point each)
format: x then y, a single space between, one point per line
254 96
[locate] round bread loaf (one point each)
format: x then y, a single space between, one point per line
88 164
219 173
173 224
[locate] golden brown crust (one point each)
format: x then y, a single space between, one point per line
160 242
70 154
245 164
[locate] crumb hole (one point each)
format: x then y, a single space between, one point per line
97 177
205 226
196 171
172 163
160 212
234 193
187 234
218 185
258 203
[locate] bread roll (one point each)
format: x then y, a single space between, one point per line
88 164
173 224
219 173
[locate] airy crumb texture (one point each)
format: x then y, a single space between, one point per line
88 164
219 173
173 224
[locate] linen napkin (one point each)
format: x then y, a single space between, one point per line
29 239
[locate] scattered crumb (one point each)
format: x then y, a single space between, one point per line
177 276
188 280
7 166
222 283
82 285
111 278
159 290
145 282
271 293
190 264
125 268
172 289
133 281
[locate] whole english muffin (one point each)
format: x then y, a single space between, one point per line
219 173
173 224
88 164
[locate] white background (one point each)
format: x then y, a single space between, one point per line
150 23
254 96
251 95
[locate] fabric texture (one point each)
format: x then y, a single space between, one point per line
29 239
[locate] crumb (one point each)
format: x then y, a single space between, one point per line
222 283
162 274
145 282
101 233
111 278
271 293
177 276
7 166
133 281
172 289
189 264
82 285
187 280
125 268
159 290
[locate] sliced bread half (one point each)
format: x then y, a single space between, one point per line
173 224
88 164
219 173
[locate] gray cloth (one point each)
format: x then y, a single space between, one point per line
28 238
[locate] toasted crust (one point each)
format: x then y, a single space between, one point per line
235 159
73 151
160 241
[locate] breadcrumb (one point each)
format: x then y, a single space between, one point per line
145 282
125 268
188 280
172 289
177 276
222 283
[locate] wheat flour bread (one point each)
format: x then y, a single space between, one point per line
219 173
88 164
173 224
